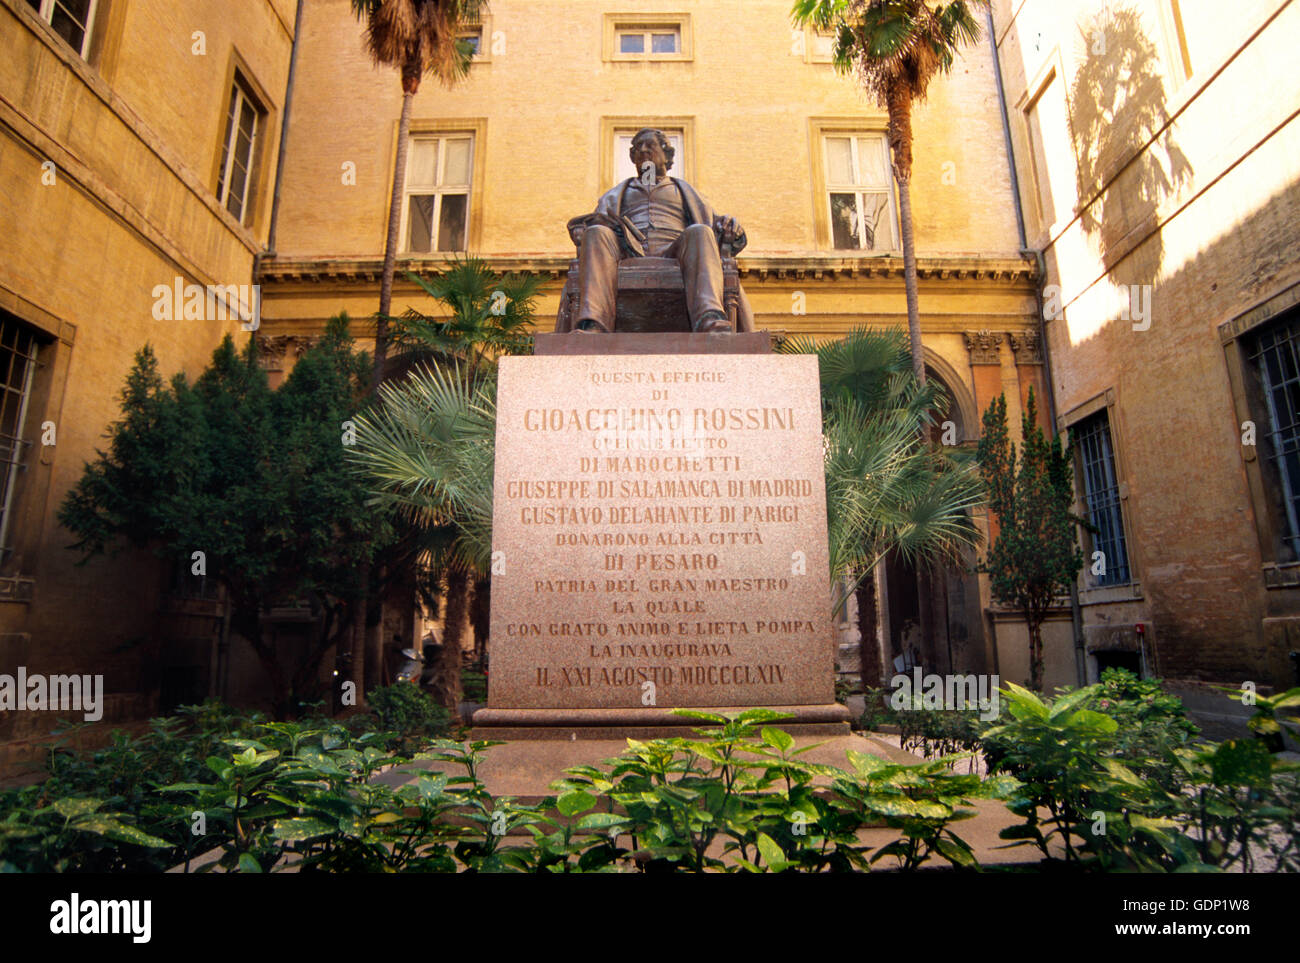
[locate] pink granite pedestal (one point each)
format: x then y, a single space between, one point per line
613 602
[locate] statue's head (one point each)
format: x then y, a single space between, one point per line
651 145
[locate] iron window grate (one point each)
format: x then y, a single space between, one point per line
1274 355
1102 501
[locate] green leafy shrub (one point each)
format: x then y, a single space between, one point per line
1062 753
1152 724
742 799
122 778
931 733
876 711
42 835
474 685
408 711
1107 795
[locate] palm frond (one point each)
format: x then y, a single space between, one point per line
428 453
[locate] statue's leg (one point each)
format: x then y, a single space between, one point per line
597 277
697 253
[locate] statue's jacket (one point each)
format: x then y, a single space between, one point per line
697 211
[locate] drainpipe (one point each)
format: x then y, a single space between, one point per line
284 133
1076 613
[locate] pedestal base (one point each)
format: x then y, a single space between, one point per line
532 758
641 722
748 342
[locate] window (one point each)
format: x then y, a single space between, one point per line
1274 373
242 128
71 20
18 350
860 192
1101 500
478 34
647 36
818 46
438 173
623 168
655 41
1051 152
616 135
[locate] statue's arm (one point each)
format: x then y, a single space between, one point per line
730 234
604 214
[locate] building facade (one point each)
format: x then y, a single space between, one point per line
138 143
1156 146
764 128
1141 218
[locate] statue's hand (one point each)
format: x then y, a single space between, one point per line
731 236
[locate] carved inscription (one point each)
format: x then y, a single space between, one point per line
661 520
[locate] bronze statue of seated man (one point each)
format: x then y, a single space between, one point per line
654 215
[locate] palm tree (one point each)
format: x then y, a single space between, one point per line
896 47
416 37
887 488
488 315
428 451
429 454
425 446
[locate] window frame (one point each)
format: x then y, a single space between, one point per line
617 24
15 457
1090 593
436 191
239 99
812 34
860 191
1177 52
610 127
27 521
1276 570
261 161
483 28
44 10
821 128
1052 70
476 129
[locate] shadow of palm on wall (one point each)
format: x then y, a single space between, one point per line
1118 106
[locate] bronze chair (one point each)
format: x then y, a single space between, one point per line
651 293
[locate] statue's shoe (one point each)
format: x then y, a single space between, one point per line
713 322
589 327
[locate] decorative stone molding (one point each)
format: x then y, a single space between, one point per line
1026 346
985 347
272 350
785 267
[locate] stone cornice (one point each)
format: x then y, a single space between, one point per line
792 267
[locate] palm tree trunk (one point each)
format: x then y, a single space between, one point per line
409 88
453 636
899 105
909 278
356 661
361 650
375 639
480 613
869 669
